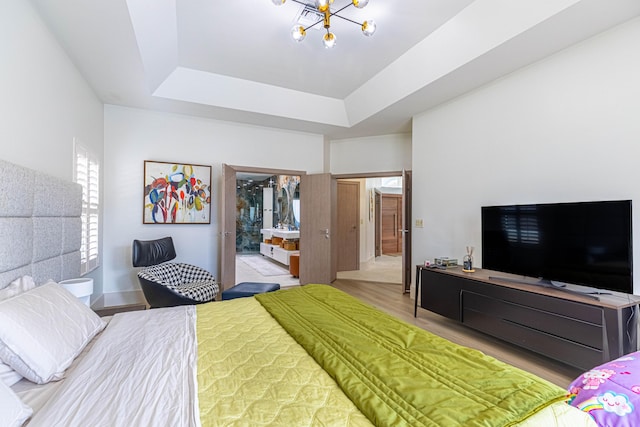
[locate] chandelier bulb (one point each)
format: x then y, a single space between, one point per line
298 33
368 28
323 5
329 40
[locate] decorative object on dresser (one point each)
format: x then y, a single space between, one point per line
467 261
446 262
166 284
579 330
176 193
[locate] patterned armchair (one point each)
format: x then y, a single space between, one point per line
167 284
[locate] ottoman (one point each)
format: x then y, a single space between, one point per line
248 289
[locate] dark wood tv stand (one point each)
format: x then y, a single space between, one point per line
574 329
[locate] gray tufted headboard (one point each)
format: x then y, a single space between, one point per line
40 225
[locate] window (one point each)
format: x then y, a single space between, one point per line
87 174
393 181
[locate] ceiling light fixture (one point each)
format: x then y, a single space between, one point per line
298 32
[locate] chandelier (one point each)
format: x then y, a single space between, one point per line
298 32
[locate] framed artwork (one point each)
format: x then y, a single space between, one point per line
176 193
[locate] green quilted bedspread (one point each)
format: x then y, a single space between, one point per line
398 374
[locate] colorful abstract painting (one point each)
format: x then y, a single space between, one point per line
176 193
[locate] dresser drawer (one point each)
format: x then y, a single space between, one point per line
534 319
555 347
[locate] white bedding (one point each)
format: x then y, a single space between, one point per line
140 371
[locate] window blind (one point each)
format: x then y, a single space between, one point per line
87 174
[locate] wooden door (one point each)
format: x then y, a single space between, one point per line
407 265
348 232
391 224
228 226
317 222
378 223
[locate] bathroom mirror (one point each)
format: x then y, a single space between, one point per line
287 191
254 213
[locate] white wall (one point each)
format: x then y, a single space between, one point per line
564 129
132 136
45 102
372 154
367 155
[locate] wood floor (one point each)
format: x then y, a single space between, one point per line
389 298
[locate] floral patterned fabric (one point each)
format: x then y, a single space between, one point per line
610 393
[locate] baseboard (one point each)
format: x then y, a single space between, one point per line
98 303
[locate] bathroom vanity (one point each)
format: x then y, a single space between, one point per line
277 251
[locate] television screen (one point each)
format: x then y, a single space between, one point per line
586 243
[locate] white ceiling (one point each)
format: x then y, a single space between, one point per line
235 60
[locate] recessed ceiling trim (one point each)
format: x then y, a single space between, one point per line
156 31
141 44
478 29
185 84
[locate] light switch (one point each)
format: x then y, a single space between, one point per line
419 223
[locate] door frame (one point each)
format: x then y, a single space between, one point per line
407 220
228 211
406 206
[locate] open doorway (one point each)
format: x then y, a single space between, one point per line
318 208
243 224
382 234
267 228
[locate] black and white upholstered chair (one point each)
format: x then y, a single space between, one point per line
167 284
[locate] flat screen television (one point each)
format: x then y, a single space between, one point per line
585 243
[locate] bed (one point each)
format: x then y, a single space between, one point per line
305 356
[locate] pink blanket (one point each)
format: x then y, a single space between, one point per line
610 393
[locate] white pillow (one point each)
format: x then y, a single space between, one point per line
8 375
16 287
43 330
13 412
